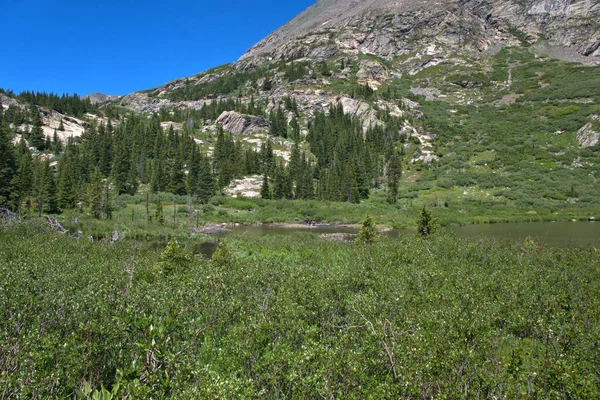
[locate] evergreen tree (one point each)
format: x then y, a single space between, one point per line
107 201
8 165
394 172
36 136
23 181
95 194
56 143
122 163
39 186
206 182
426 224
265 190
50 189
368 232
177 178
295 164
223 158
157 181
191 181
160 217
45 192
67 192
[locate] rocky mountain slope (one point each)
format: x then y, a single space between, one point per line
97 98
382 27
482 90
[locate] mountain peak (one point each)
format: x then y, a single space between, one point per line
484 23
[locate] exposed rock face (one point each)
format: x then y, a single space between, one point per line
97 98
587 136
247 187
358 109
6 101
385 27
240 124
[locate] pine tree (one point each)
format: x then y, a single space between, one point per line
265 190
177 178
39 192
23 181
95 194
206 182
426 224
160 217
61 126
8 165
56 143
368 232
157 180
36 136
295 129
107 201
67 193
45 192
51 189
295 164
191 181
394 172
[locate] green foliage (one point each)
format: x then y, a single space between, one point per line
368 232
224 84
8 165
223 255
66 104
426 224
173 259
158 214
298 317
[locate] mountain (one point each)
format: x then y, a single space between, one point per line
387 28
478 107
98 98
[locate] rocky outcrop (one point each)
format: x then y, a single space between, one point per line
6 101
98 98
247 187
135 100
358 109
587 136
240 124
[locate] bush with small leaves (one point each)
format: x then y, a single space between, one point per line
223 255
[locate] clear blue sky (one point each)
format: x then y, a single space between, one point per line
121 46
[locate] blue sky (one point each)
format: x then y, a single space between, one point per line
122 46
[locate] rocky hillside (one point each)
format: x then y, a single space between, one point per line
385 28
64 125
484 94
98 98
379 41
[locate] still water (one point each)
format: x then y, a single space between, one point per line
556 234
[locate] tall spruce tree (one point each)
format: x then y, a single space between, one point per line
51 205
8 165
265 189
23 181
36 136
95 194
67 191
206 182
394 172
